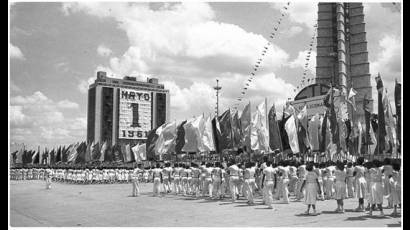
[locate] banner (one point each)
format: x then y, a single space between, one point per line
180 139
225 140
381 133
207 137
236 130
290 127
134 114
166 139
314 132
275 142
246 126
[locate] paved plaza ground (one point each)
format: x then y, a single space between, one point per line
67 205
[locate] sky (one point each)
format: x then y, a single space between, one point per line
55 50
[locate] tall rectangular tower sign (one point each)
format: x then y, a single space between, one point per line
134 114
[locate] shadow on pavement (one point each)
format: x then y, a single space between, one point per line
356 218
394 225
331 212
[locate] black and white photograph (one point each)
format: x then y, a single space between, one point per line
281 114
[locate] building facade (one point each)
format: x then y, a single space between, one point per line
342 56
125 110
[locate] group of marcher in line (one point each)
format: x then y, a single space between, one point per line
370 181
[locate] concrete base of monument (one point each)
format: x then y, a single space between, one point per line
70 205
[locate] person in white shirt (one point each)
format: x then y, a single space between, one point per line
207 181
135 183
269 183
217 180
250 184
234 182
157 177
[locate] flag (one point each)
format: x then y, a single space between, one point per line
150 143
81 149
323 133
225 140
290 127
314 132
275 141
350 98
348 126
19 159
117 152
95 151
191 135
216 131
207 137
283 135
334 128
390 123
52 157
373 140
360 138
88 152
40 157
302 128
58 155
140 152
245 121
397 102
380 116
236 130
166 139
288 111
367 113
128 156
34 158
102 152
180 139
259 132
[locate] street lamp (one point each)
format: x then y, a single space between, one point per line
217 88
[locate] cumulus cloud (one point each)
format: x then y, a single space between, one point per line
38 120
304 13
15 52
300 61
103 51
388 64
183 43
14 87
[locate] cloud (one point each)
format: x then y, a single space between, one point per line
104 51
84 84
14 87
38 120
388 64
300 61
187 49
66 104
303 13
15 52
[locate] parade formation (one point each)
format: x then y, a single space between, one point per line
287 181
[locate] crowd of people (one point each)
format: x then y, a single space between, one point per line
369 181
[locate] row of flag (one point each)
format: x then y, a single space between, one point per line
80 153
258 63
259 131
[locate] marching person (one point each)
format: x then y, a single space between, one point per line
269 183
312 186
395 186
166 172
135 182
350 180
376 187
360 183
233 171
217 180
177 178
157 177
250 184
284 172
48 174
207 181
195 179
340 186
